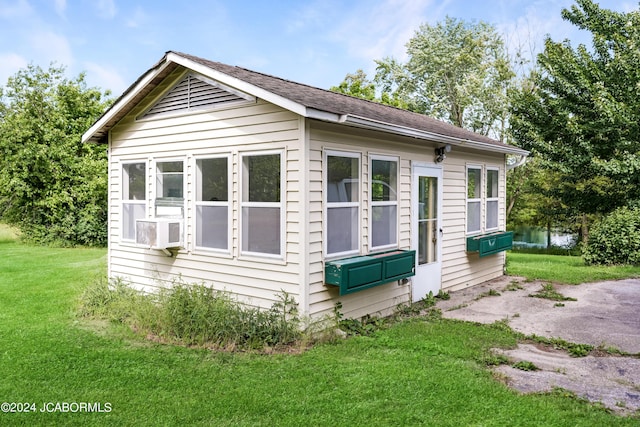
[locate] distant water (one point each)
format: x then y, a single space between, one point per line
536 237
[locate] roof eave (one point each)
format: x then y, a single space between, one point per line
98 131
363 122
92 133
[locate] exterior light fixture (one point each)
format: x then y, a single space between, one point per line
441 153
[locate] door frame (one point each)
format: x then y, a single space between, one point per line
428 277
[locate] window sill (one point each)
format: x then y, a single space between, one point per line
262 258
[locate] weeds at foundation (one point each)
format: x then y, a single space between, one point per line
442 295
194 314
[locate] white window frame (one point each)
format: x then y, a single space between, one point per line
329 205
473 200
173 213
228 204
124 201
245 204
495 199
372 158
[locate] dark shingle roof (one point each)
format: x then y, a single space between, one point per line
338 103
304 95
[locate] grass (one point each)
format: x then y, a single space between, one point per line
7 234
417 372
564 269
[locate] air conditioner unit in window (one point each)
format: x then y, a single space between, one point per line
159 233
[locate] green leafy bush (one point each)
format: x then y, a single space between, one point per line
52 186
615 239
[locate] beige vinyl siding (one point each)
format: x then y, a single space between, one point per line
256 127
247 128
381 299
460 269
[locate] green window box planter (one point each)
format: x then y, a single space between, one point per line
366 271
491 243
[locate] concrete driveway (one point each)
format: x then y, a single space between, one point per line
604 315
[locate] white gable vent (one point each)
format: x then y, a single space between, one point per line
196 93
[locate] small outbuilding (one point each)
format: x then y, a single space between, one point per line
255 185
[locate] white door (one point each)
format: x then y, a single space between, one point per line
426 229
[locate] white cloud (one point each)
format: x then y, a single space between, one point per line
137 18
11 63
527 31
106 9
105 78
384 29
51 47
12 10
60 6
311 15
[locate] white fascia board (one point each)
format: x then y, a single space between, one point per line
431 136
151 74
325 116
239 84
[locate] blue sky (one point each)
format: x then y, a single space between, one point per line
316 42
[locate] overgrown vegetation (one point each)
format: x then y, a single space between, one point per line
369 325
574 349
548 291
525 365
615 240
52 187
194 314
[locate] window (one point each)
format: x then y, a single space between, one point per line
474 201
343 203
384 202
212 203
170 188
492 199
261 204
134 204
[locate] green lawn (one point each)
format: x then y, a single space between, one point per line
418 372
564 269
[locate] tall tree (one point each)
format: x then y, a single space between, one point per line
457 71
51 185
581 111
359 85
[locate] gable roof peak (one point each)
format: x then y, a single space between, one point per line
303 99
